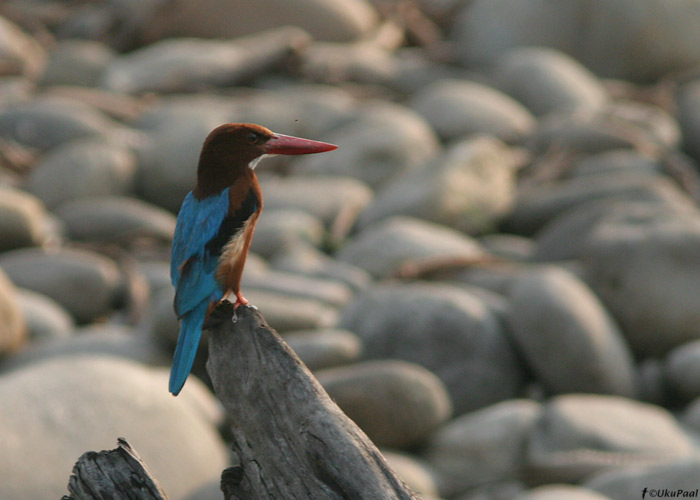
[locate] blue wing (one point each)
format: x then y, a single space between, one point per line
192 265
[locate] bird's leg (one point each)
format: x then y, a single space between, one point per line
240 301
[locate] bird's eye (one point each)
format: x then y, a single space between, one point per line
252 138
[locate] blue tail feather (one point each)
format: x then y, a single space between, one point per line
187 343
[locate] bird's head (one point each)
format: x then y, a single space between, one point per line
234 149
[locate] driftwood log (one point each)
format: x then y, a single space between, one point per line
111 475
292 440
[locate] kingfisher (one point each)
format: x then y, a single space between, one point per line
215 227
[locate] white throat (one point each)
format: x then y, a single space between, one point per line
255 162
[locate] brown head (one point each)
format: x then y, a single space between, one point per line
233 150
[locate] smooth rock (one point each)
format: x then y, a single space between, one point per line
546 80
82 169
619 161
618 125
54 411
23 220
296 285
20 54
85 283
566 336
375 143
508 246
561 492
335 201
483 447
118 220
168 158
325 348
191 64
76 62
397 404
629 482
682 371
449 331
582 434
628 256
330 20
628 39
413 472
538 205
383 249
309 261
280 230
456 108
651 383
470 188
13 329
285 313
44 123
688 104
156 273
46 320
506 490
105 340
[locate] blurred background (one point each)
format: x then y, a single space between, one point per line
496 275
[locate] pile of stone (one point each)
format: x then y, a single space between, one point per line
496 275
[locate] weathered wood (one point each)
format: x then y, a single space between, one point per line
117 474
292 440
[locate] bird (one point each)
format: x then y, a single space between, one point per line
215 227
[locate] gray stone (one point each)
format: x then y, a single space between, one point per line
397 404
296 285
309 261
71 405
336 201
23 220
567 337
13 330
383 249
156 273
105 340
682 371
628 39
617 161
81 169
628 256
651 382
325 348
546 80
76 62
449 331
191 64
86 284
561 492
508 246
582 434
455 108
375 143
470 188
630 482
280 230
483 447
413 472
118 220
20 54
506 490
45 318
284 312
44 123
688 104
330 20
168 158
538 205
618 125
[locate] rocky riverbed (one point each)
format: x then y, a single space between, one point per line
496 275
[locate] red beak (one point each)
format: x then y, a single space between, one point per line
288 145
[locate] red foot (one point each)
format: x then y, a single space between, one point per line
240 301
